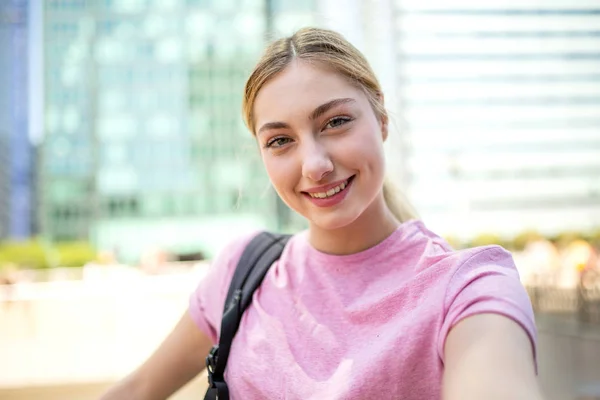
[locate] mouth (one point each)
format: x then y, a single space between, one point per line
333 191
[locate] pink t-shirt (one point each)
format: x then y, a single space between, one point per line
370 325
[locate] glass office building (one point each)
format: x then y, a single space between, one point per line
16 158
501 104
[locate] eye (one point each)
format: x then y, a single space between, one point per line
336 122
277 142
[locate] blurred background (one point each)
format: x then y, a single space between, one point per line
125 165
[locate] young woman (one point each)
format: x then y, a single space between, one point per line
367 303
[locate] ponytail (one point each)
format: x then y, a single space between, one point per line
397 202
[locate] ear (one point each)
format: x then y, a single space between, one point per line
384 120
384 127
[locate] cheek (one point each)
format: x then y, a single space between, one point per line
281 172
363 148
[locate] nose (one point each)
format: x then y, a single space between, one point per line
316 163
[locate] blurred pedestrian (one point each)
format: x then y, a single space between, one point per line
540 264
8 279
367 303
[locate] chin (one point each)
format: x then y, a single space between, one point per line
332 221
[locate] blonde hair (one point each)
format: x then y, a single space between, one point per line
332 50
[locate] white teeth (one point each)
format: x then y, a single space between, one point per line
330 192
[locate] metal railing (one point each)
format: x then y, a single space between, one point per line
581 302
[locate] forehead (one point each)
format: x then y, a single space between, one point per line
299 89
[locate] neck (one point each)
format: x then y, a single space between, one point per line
372 227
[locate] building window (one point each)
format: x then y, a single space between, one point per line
116 207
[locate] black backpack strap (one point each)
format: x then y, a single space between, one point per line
257 258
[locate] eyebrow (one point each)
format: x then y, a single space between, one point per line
319 111
323 108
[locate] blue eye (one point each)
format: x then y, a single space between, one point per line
277 142
336 122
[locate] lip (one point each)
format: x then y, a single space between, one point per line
333 200
324 188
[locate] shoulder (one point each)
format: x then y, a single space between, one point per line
490 262
482 260
230 252
434 251
224 264
464 275
477 271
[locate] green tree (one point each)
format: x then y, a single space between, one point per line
25 254
75 254
520 241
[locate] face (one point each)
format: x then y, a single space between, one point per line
321 144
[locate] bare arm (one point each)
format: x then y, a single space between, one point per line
177 360
489 356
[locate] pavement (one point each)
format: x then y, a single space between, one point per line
72 339
568 358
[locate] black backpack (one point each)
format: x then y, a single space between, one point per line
257 258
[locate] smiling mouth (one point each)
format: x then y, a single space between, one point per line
333 191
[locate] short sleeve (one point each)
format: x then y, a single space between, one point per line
487 282
207 301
